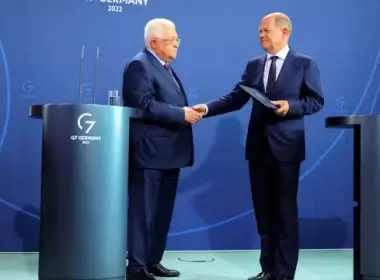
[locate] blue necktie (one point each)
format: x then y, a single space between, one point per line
271 83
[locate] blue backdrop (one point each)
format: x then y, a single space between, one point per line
40 47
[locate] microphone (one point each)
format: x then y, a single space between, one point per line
95 74
81 73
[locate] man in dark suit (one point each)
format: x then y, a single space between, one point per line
160 145
275 144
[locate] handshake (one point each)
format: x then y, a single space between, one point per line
194 114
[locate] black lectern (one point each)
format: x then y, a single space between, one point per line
83 191
366 192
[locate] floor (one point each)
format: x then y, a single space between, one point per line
215 265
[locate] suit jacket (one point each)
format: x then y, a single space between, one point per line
161 140
299 84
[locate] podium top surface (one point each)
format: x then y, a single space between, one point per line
38 111
350 121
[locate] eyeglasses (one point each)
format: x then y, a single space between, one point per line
172 40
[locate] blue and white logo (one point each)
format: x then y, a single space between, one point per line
85 124
117 6
27 90
89 123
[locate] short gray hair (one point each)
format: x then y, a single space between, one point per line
155 29
282 20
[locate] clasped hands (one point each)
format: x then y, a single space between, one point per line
194 114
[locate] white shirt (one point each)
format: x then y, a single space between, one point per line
156 56
279 62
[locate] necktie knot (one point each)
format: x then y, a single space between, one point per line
273 58
167 67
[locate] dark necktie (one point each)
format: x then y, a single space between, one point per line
167 67
271 83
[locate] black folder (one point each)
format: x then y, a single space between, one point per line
262 98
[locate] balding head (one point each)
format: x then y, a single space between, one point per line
161 37
275 30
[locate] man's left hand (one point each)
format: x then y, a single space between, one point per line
283 107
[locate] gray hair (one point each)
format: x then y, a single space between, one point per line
282 20
155 28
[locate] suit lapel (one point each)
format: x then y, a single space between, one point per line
286 70
181 89
165 73
258 74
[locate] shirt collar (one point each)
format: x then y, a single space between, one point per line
281 54
156 56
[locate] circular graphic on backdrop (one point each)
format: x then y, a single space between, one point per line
6 103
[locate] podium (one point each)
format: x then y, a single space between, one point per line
366 130
83 191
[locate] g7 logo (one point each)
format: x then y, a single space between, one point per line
90 123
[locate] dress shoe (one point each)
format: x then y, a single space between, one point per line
141 274
263 276
161 271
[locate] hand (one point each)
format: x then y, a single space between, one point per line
283 107
191 115
200 108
